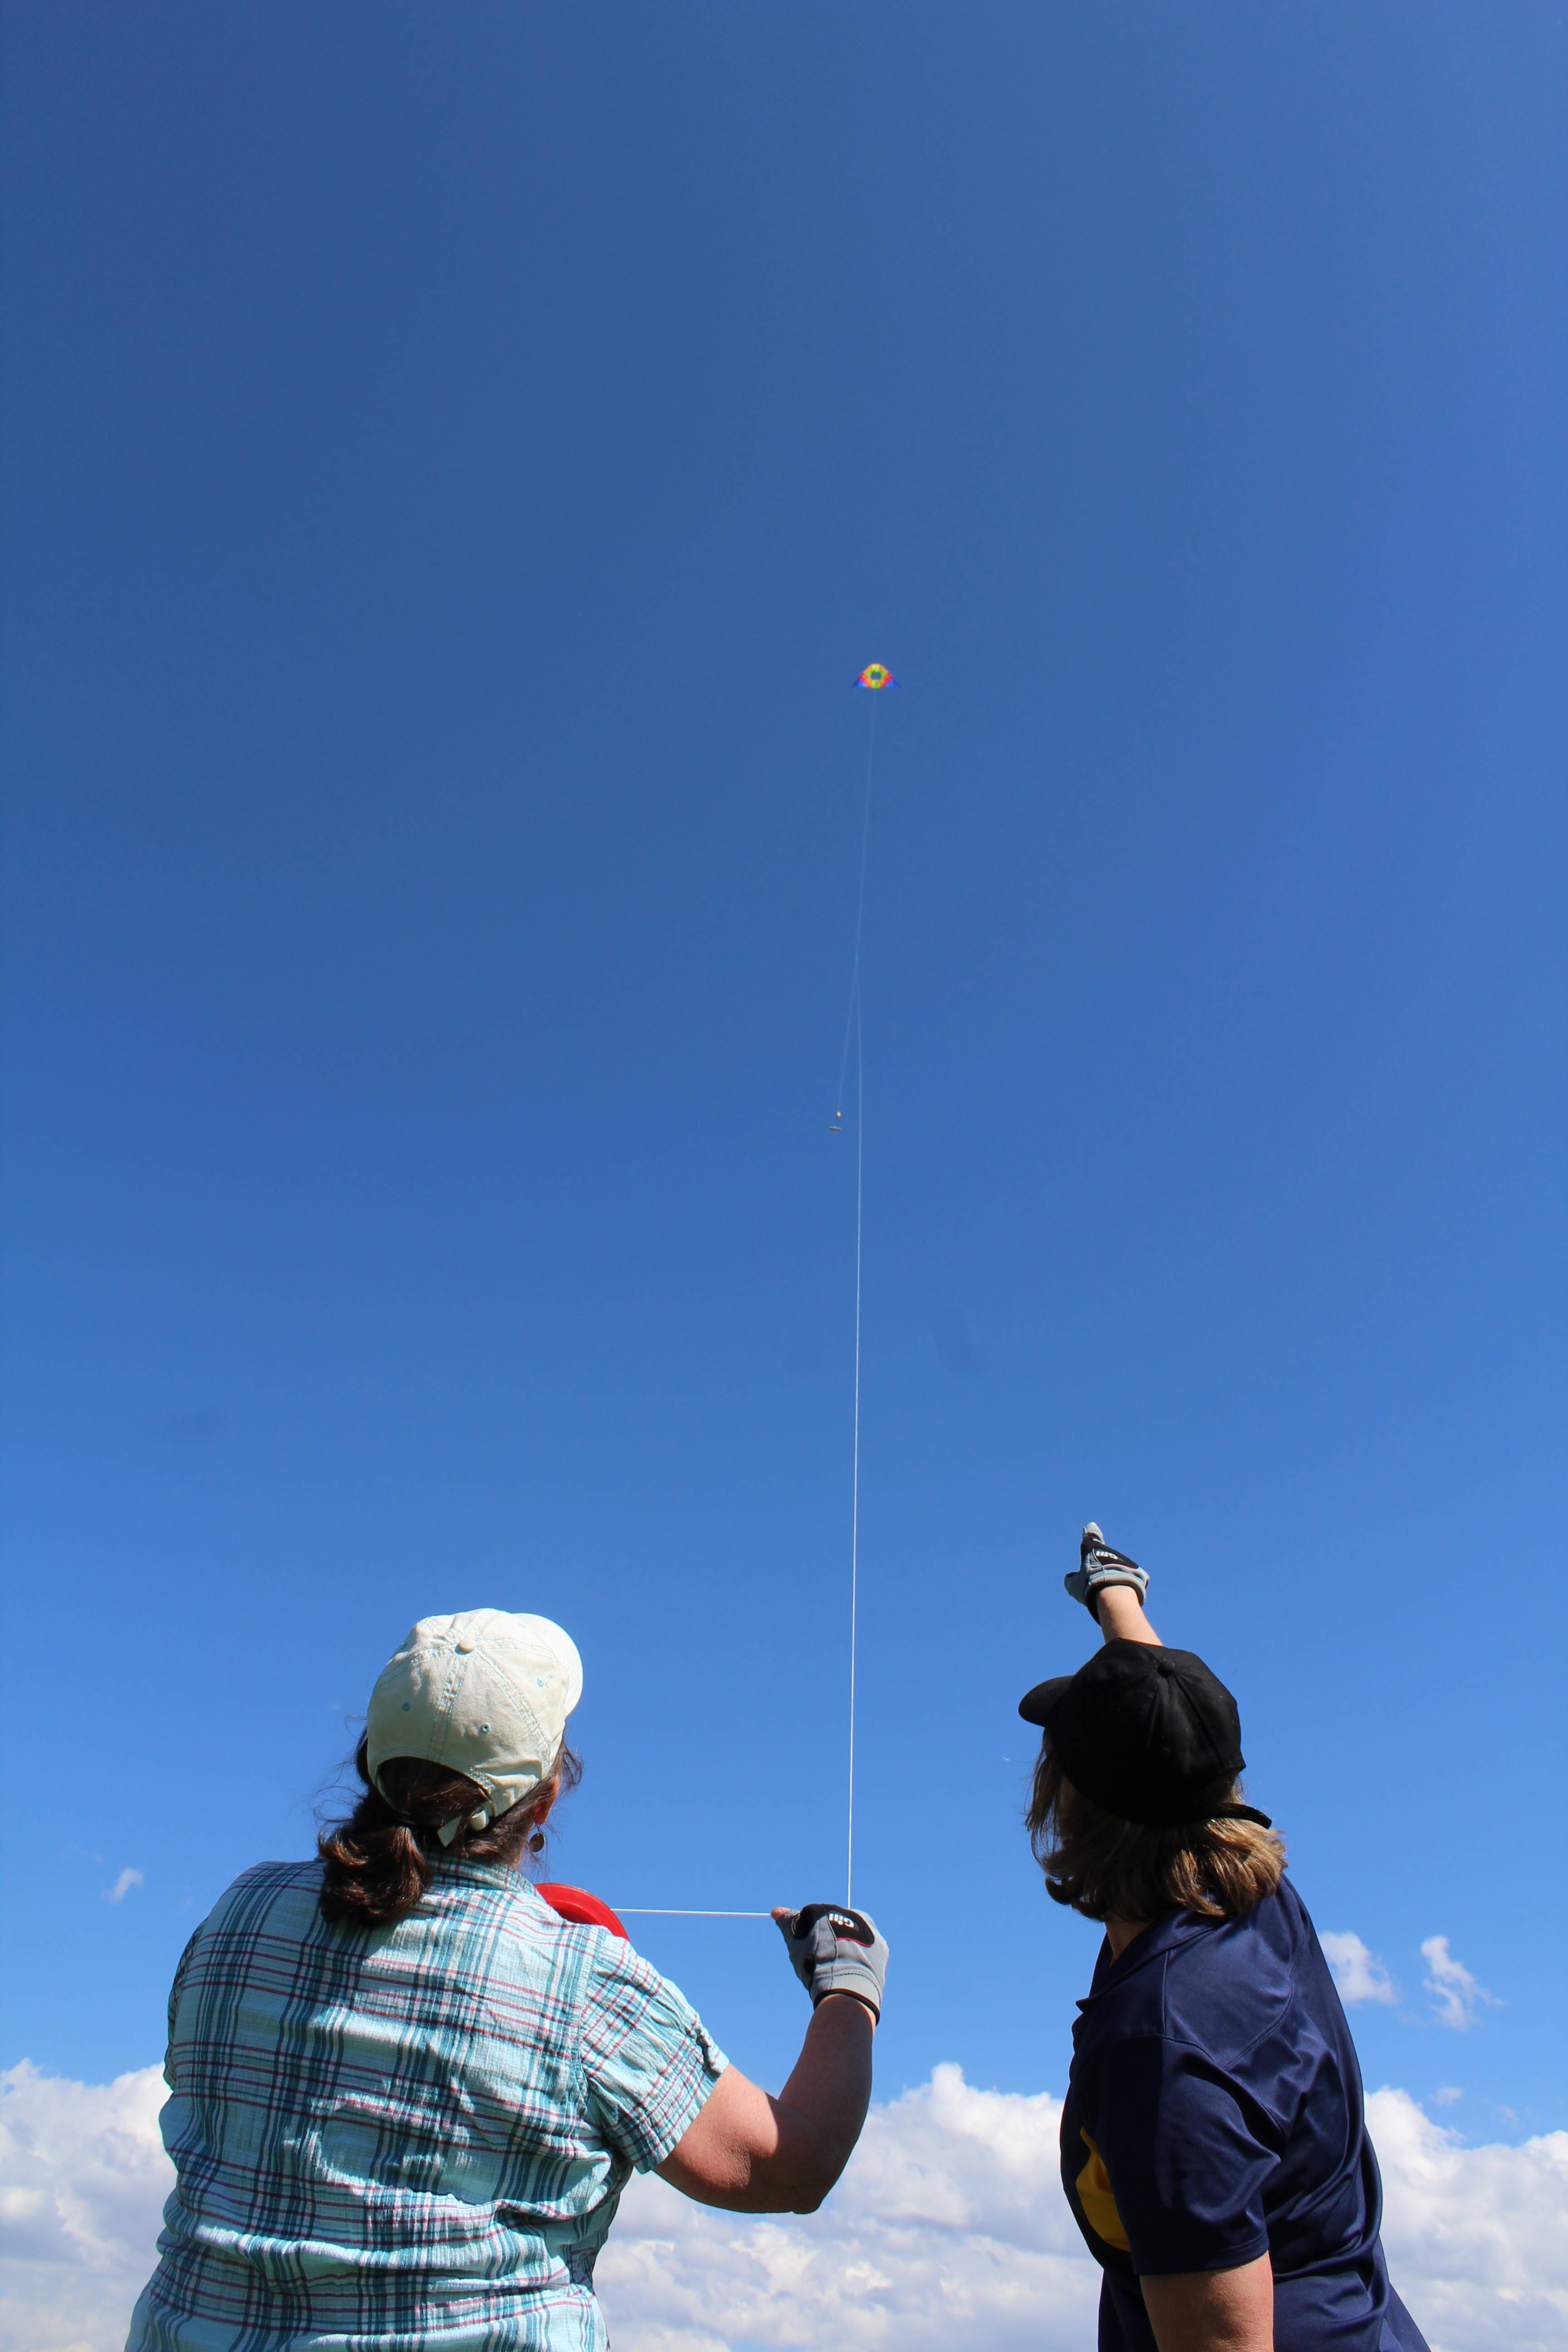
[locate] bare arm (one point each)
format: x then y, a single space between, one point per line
754 2154
1121 1618
1213 2311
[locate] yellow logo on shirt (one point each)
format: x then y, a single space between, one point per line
1098 2203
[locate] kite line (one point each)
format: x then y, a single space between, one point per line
851 1021
873 678
660 1911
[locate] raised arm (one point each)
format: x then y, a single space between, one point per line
1112 1588
1120 1614
755 2154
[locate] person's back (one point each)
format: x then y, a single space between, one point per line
406 2093
415 2130
1221 2045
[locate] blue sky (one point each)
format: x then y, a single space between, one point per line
455 463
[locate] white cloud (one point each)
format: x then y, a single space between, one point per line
122 1885
1476 2237
83 2177
1454 1990
1447 2095
1359 1974
948 2229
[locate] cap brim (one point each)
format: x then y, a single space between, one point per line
1035 1705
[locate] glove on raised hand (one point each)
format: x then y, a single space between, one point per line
1099 1566
833 1949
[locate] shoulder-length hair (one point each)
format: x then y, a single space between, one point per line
378 1864
1109 1868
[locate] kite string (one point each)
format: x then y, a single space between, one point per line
859 918
855 1474
853 1026
855 1020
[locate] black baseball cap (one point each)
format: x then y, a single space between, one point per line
1148 1733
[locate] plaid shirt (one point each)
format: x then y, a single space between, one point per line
411 2139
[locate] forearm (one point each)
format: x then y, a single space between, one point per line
750 2153
1121 1615
829 2090
820 2111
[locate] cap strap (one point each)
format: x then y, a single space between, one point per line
1242 1813
480 1820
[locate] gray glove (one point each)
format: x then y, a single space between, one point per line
1097 1566
832 1950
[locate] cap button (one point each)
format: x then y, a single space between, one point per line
466 1642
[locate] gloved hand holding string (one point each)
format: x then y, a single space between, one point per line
834 1949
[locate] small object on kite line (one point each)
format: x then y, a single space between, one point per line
875 676
836 1127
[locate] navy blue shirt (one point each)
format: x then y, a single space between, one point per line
1214 2114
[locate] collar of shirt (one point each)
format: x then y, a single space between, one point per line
469 1872
1151 1943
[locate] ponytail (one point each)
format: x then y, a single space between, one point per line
377 1864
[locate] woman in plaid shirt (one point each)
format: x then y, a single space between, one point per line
405 2096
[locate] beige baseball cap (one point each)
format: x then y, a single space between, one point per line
486 1693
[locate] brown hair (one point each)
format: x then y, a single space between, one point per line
1109 1868
377 1863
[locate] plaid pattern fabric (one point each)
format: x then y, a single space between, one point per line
411 2139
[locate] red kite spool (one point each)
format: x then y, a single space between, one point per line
585 1910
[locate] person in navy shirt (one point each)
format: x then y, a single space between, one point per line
1214 2139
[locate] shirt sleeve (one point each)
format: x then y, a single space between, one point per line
649 2061
174 2009
1189 2156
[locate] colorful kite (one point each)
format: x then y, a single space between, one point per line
876 677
